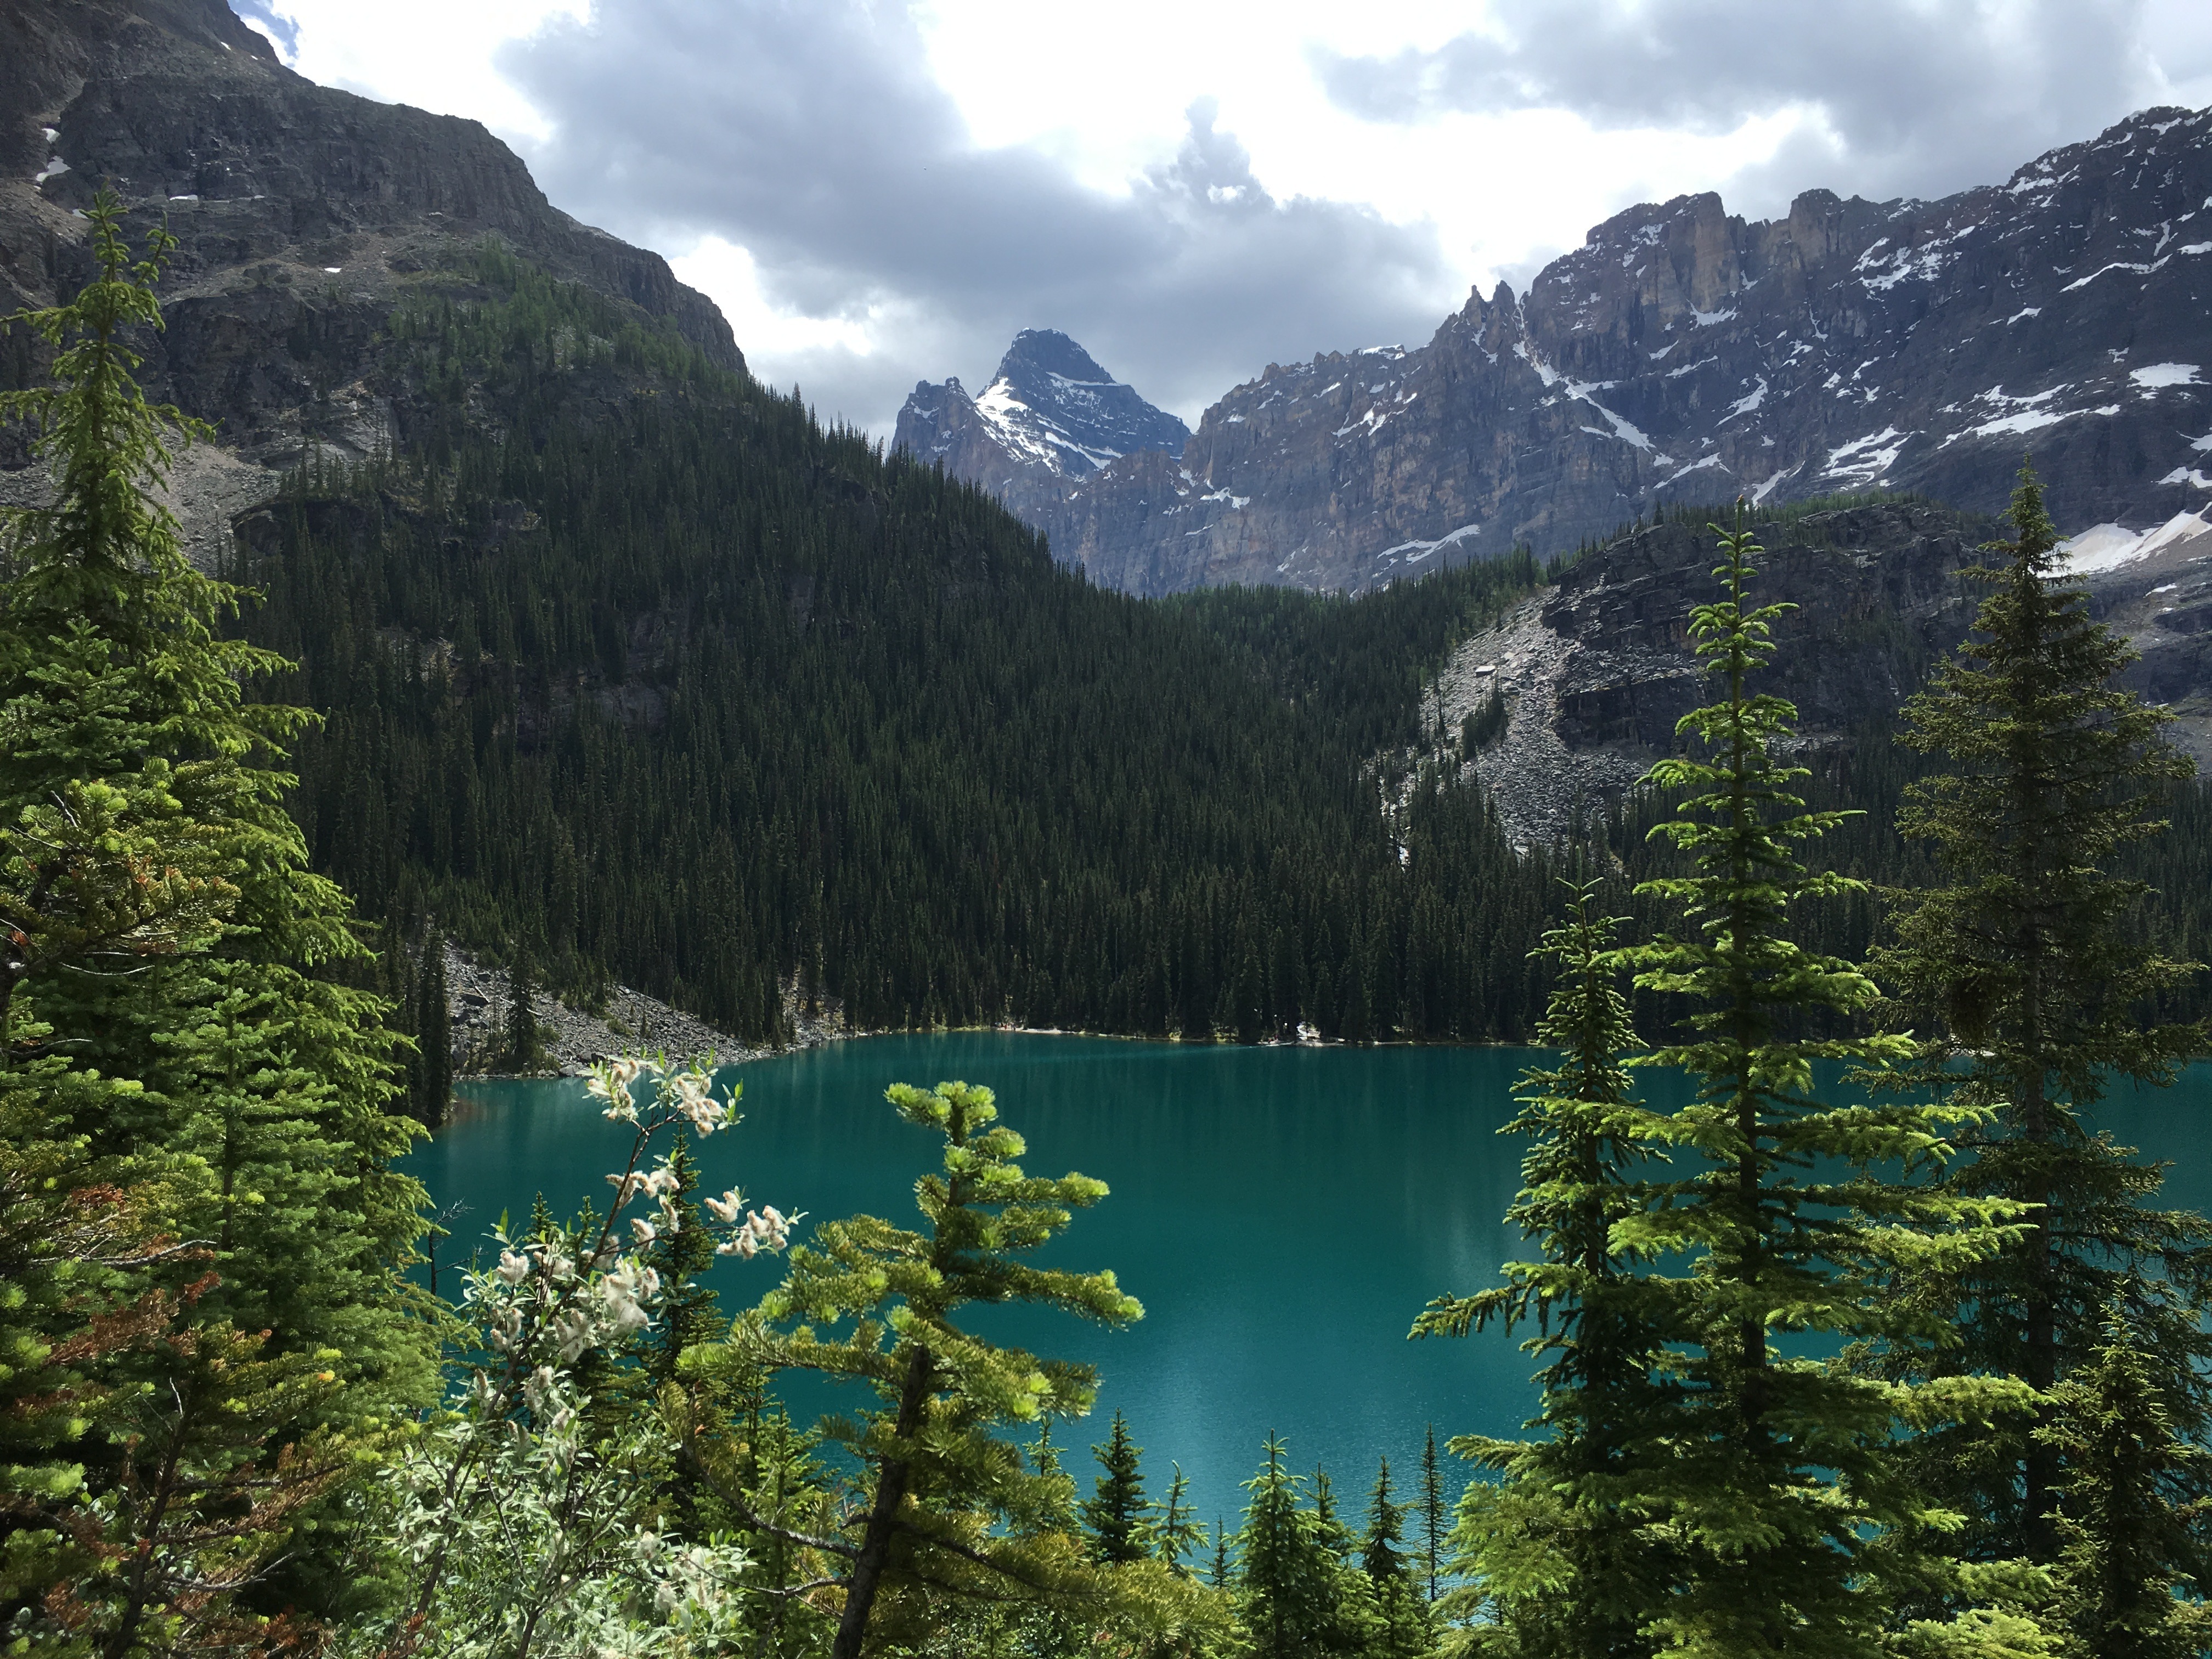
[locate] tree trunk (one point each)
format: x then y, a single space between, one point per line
883 1516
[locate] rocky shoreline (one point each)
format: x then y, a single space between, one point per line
632 1022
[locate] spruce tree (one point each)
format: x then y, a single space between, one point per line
1115 1515
1177 1531
1398 1619
2133 1557
1432 1511
1289 1577
688 1314
2027 978
1560 1550
525 1048
260 1076
1771 1474
433 1035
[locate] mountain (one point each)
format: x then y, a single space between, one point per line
625 664
1051 415
625 661
1683 353
303 214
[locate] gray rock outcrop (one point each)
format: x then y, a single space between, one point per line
1685 355
1596 671
303 213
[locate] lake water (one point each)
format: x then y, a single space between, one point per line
1283 1214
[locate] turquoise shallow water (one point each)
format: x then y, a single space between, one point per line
1283 1214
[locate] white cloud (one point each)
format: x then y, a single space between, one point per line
878 191
437 55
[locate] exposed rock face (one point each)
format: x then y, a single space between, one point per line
1597 671
302 211
1050 416
1684 355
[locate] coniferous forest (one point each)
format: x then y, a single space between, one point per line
629 664
627 668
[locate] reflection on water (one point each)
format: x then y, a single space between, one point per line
1283 1213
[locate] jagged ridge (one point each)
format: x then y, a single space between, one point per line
1682 353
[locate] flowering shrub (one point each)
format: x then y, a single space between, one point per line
517 1516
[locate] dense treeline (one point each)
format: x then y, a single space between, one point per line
632 666
1867 779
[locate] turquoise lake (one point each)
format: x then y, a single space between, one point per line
1283 1213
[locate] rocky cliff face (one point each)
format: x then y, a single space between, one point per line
1597 669
1051 415
1685 355
303 214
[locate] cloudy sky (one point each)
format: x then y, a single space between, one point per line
877 192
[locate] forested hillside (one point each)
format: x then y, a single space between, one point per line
632 666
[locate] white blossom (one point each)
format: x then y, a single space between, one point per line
535 1520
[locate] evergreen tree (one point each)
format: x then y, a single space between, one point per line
1289 1578
1056 1508
1483 726
2029 980
2133 1556
433 1035
260 1079
1218 1574
1771 1475
1115 1515
1398 1618
1432 1511
741 1441
689 1316
935 1473
1561 1550
1177 1531
1379 1555
526 1045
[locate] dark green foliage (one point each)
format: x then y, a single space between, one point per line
2132 1556
430 1081
2025 970
1290 1578
1396 1616
688 1316
219 1050
1115 1515
1483 726
525 1042
662 678
1432 1512
1773 1473
749 1472
1177 1530
1361 661
1558 1550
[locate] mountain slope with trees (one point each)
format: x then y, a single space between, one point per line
630 665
